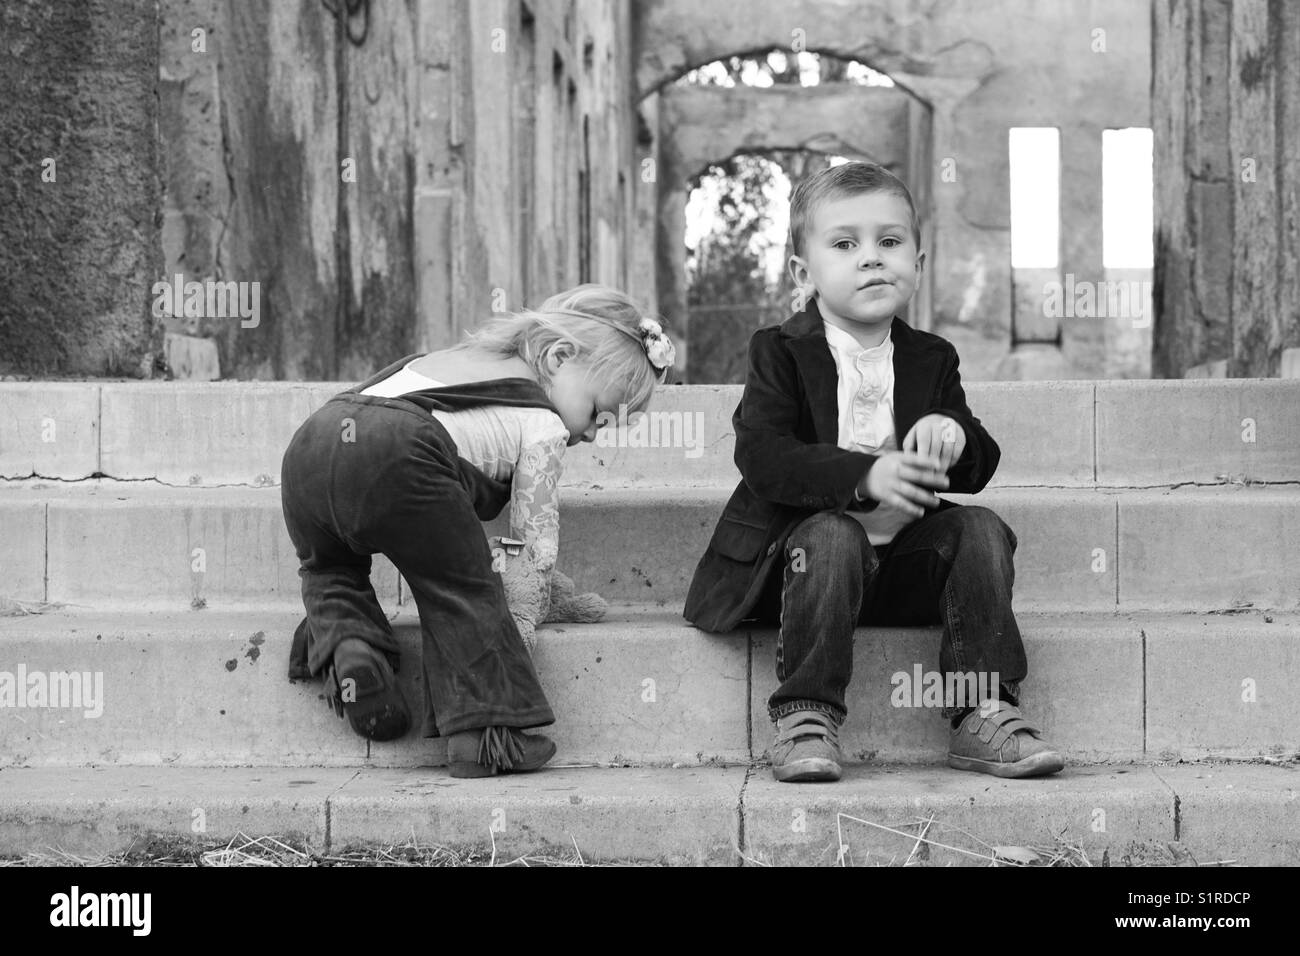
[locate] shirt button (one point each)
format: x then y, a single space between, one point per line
771 548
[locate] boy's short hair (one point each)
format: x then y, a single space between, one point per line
838 182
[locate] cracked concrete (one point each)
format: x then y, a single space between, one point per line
1083 434
721 816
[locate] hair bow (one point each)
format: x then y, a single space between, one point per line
658 347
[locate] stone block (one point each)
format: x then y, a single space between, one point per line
684 816
1168 432
1194 549
49 429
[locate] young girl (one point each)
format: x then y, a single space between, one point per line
407 464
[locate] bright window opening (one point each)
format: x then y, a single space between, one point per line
1035 159
1127 198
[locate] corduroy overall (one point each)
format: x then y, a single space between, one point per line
366 475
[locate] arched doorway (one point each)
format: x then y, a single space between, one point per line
801 111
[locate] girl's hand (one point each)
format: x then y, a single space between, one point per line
936 436
904 479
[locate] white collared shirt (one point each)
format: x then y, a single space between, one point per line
865 393
865 396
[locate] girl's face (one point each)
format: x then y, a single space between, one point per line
579 398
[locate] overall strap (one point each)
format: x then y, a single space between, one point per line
515 392
382 374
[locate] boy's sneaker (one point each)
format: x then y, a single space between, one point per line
1002 743
807 748
361 685
493 750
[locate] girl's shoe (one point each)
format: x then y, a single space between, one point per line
493 750
372 701
1002 743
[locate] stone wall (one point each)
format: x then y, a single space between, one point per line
982 66
383 181
541 174
79 187
393 179
1228 194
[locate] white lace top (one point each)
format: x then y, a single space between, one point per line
523 445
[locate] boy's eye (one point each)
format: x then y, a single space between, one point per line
891 242
843 243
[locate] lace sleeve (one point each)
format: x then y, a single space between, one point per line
535 499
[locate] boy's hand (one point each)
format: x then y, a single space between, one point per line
937 436
903 479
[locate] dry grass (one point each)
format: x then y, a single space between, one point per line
1060 852
11 607
918 848
1279 759
244 850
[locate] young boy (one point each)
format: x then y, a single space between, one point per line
827 395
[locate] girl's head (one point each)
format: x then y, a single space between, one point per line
593 350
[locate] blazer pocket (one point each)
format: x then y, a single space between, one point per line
738 540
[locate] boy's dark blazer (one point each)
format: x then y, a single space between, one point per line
787 426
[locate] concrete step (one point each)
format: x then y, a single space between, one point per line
210 688
1077 434
1116 815
140 544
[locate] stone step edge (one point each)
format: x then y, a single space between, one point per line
647 616
143 488
1148 654
724 816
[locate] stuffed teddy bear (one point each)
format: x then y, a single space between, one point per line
538 597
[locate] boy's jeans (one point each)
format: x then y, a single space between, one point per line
951 567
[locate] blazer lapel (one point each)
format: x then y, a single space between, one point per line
812 354
915 373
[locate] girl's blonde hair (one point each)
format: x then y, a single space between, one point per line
601 325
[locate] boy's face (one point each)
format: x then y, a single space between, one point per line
861 258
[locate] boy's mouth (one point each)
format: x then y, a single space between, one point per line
872 283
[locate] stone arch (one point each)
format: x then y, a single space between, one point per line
922 51
700 125
980 68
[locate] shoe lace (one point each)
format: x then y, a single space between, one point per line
498 748
333 692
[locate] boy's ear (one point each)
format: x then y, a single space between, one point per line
920 263
798 271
